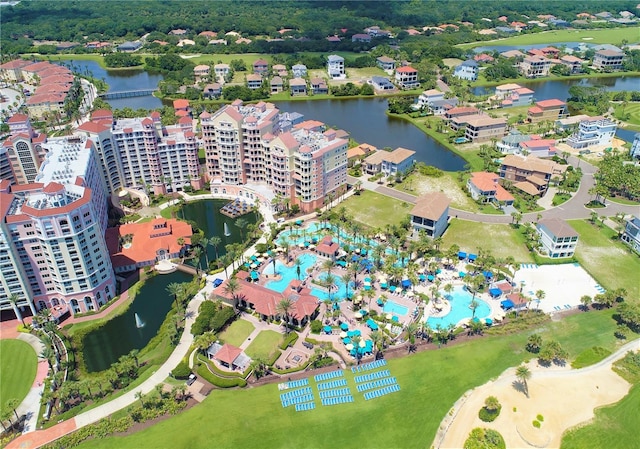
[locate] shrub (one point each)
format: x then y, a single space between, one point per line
316 326
540 418
480 438
181 371
536 424
289 340
220 382
487 415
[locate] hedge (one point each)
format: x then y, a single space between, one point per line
204 372
181 371
290 340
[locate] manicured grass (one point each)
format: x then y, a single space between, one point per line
264 345
18 364
590 356
237 332
601 36
609 261
375 210
502 240
633 111
430 383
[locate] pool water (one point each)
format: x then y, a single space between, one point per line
395 308
459 300
288 274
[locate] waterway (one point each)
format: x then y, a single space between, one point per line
121 80
119 336
365 119
206 214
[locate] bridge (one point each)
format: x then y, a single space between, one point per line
127 94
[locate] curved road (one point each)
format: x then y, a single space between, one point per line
574 208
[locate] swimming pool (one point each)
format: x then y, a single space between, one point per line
288 274
338 292
395 308
460 300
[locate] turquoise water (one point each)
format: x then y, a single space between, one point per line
288 274
395 308
460 300
338 293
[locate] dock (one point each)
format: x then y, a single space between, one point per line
235 208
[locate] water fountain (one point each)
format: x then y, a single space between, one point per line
139 322
227 232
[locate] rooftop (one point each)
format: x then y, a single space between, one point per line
557 227
431 205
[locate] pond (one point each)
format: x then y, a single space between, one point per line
366 120
120 80
119 336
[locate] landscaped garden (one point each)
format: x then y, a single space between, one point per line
237 332
264 345
18 366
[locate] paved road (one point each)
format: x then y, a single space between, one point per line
572 209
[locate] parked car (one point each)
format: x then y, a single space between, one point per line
192 378
217 282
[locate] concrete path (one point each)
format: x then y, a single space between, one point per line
30 405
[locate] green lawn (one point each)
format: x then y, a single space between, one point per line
237 333
502 240
264 345
633 109
375 210
431 382
601 36
607 260
18 364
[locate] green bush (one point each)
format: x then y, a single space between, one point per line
488 415
220 382
540 418
181 371
480 438
289 341
536 424
316 326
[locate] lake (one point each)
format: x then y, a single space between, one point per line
119 80
120 335
366 121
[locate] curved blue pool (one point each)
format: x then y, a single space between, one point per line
459 300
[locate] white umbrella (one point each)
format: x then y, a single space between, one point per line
358 314
301 244
389 316
312 246
362 343
409 293
343 334
349 347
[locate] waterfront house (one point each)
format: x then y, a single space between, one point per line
512 54
539 147
512 95
468 70
319 86
433 100
482 128
557 238
530 174
389 163
381 83
573 63
535 66
511 142
298 86
335 67
254 81
430 214
276 84
552 109
593 131
407 77
631 234
608 60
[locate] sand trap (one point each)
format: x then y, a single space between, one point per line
563 285
587 38
564 397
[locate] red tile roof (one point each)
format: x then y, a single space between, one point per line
554 102
93 127
406 69
328 246
180 104
228 353
18 118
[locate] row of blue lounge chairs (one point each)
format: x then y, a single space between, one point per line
297 400
337 400
334 393
377 384
296 393
381 392
372 376
332 384
293 384
305 406
329 375
369 366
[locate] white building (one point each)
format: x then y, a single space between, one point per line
468 70
335 67
593 131
635 147
557 238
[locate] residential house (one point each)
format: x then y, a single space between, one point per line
505 30
608 60
201 72
386 63
571 122
261 67
631 234
221 71
511 142
334 39
513 54
557 238
593 131
573 63
276 84
635 147
130 47
361 37
560 23
376 31
213 90
433 100
254 81
512 95
530 174
483 58
382 83
407 77
535 66
319 86
361 151
185 42
280 70
552 110
178 32
430 214
298 86
459 112
468 70
389 163
483 128
299 71
484 186
335 67
539 147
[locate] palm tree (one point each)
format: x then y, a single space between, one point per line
204 242
47 354
241 223
284 306
330 283
328 265
298 263
346 278
540 294
411 330
355 341
13 404
197 255
473 306
232 287
491 404
138 395
523 374
215 242
13 299
378 341
175 289
585 300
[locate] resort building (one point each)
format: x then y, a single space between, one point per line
23 149
335 67
593 131
229 356
552 110
328 248
52 249
11 71
299 70
535 66
431 214
608 60
468 70
256 144
557 238
631 234
138 245
145 155
407 77
5 166
530 174
389 163
386 63
485 187
482 128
